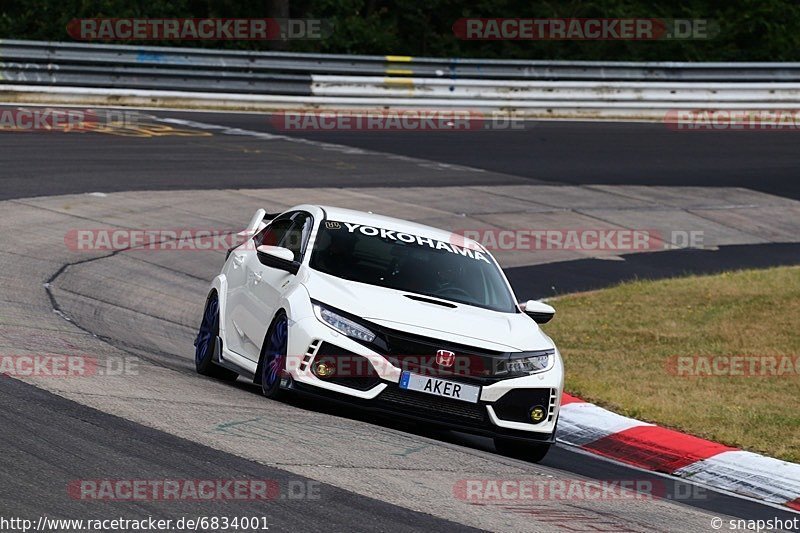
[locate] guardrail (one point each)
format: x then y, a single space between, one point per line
102 73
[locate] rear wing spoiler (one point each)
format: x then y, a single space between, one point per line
257 223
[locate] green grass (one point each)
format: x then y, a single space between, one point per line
617 344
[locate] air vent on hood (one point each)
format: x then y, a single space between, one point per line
429 301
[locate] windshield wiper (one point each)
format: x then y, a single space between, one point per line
430 301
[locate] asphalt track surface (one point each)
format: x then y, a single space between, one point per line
552 279
542 152
58 437
48 436
72 442
583 153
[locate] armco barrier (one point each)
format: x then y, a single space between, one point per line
49 72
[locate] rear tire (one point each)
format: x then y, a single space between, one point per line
206 344
273 357
521 449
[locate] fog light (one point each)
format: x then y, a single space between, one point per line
537 414
323 369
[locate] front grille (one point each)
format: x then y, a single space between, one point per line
418 354
432 407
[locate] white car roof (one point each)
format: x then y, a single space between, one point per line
381 221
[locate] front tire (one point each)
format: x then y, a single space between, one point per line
521 449
273 357
206 344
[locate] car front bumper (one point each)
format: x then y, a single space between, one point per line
502 410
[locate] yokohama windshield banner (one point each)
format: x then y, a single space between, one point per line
393 235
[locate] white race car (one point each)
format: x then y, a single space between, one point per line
388 315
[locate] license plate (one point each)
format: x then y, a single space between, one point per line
440 387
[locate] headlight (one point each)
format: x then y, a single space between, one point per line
526 363
343 325
535 363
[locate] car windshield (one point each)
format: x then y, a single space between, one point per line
396 260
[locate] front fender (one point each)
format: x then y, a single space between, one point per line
220 285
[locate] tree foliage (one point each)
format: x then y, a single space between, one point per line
749 30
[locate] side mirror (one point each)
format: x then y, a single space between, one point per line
539 311
277 257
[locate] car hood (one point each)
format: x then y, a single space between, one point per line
464 324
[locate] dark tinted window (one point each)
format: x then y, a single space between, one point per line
274 233
297 236
410 263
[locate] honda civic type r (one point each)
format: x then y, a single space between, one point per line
387 315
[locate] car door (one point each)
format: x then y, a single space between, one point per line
266 285
240 274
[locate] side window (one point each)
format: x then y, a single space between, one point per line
297 237
274 233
